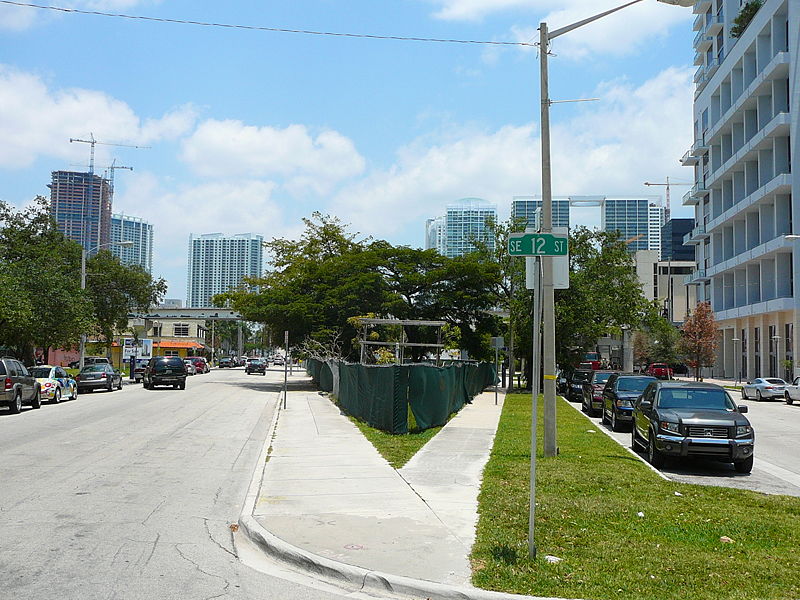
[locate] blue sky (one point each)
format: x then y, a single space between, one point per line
249 131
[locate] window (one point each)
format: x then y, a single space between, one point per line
157 329
180 330
171 353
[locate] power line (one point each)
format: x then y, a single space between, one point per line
259 28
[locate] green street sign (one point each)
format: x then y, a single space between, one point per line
537 244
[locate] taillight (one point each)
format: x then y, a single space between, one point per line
768 387
8 383
102 375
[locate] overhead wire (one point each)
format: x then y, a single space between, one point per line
261 28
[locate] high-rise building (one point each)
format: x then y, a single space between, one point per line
436 234
81 206
138 231
466 223
672 234
638 219
219 263
529 208
746 160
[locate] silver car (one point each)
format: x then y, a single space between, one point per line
762 388
792 391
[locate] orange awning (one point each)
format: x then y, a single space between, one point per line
178 344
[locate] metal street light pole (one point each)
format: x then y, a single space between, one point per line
124 244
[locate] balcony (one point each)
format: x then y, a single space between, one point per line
695 236
699 23
714 24
701 7
689 159
696 278
689 199
712 67
699 75
700 147
702 42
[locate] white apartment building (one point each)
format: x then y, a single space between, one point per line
218 263
745 159
138 231
436 234
464 223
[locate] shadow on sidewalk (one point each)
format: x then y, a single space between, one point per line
253 383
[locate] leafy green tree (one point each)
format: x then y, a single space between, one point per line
116 290
43 305
664 341
744 17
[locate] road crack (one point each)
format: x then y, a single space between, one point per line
227 584
213 539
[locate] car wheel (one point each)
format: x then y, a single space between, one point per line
182 386
119 385
264 374
614 422
36 400
654 457
110 387
145 385
15 406
634 439
744 466
788 398
758 396
74 395
174 386
744 394
57 396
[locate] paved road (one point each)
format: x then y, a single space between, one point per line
775 469
129 494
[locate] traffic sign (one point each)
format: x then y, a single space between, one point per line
538 244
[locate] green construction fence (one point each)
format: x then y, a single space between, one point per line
381 395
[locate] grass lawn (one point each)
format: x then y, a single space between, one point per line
586 513
397 449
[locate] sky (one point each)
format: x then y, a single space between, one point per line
250 131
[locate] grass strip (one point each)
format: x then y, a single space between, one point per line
396 449
587 505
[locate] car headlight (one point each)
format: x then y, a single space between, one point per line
743 430
668 426
623 402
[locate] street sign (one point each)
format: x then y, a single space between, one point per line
537 244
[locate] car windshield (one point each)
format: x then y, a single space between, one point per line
702 398
776 381
40 372
94 369
633 384
582 376
601 377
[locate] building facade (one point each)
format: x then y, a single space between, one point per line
81 206
638 220
529 208
436 234
138 231
672 234
665 282
219 263
745 159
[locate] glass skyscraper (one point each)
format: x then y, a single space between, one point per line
638 219
138 231
81 206
219 263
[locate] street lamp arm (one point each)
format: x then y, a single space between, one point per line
568 28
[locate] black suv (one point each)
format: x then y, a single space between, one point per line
692 419
19 386
256 365
619 395
164 370
578 382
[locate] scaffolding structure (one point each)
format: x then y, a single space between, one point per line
402 343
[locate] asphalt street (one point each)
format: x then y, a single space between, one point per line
775 471
129 494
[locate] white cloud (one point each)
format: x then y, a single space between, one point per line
634 134
36 121
306 161
614 35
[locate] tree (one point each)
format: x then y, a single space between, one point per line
43 305
744 17
116 290
641 347
664 338
699 341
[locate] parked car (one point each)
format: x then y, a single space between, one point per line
593 400
19 386
190 369
101 376
256 365
90 360
138 369
619 394
579 379
683 418
792 391
200 364
659 371
762 388
226 363
165 370
278 361
54 383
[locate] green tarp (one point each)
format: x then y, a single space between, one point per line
382 395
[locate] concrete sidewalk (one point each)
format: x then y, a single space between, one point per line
330 504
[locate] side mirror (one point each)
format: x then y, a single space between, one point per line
742 408
645 404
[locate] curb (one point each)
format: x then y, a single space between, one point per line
341 574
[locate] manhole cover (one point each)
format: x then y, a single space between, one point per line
354 547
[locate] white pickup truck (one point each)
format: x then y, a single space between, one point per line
792 391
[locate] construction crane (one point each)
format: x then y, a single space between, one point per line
92 142
667 184
110 170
